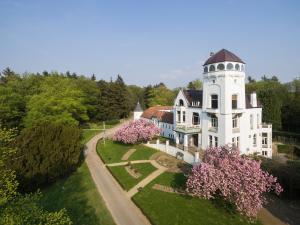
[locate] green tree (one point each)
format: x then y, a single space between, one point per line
60 101
160 95
195 85
46 152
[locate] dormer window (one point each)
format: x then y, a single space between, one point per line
181 103
237 66
229 66
212 68
221 66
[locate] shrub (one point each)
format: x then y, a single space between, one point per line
112 122
237 179
44 153
136 131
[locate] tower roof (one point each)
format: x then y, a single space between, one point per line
222 56
138 108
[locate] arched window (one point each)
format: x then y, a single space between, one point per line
221 66
181 102
237 66
214 101
229 66
205 69
212 68
234 101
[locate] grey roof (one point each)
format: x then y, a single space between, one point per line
138 108
222 56
193 96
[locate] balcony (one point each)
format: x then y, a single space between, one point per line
213 129
211 110
188 129
236 130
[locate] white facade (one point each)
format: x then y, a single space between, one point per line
221 114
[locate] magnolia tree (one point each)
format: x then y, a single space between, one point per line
237 179
136 131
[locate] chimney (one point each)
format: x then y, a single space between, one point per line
253 99
211 53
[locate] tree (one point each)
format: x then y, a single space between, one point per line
7 74
195 85
136 131
93 77
160 95
60 101
250 79
237 179
46 152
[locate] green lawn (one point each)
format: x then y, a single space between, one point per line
174 209
112 152
88 134
125 179
78 194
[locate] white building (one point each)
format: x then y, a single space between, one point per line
220 114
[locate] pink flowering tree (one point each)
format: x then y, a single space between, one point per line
237 179
136 131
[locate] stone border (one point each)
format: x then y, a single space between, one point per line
132 172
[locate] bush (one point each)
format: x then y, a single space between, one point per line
112 122
288 149
44 153
288 175
237 179
136 131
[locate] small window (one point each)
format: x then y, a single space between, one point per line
196 119
214 81
214 101
229 66
264 138
214 121
251 121
183 116
242 68
216 141
178 116
210 141
235 121
221 66
205 69
234 101
237 66
254 140
238 142
212 68
181 102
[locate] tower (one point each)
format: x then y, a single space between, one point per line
223 99
138 111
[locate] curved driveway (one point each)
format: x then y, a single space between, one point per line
122 209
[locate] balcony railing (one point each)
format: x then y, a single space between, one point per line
213 129
188 128
236 130
266 125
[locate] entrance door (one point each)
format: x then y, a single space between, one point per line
195 140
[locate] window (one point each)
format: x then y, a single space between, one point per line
238 142
214 101
205 69
183 116
178 116
264 138
251 121
234 101
254 140
235 121
229 66
212 68
221 66
214 121
233 141
237 66
181 102
216 141
258 120
196 119
210 141
264 153
242 68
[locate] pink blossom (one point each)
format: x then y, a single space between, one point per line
136 131
238 179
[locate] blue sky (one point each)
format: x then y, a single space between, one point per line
149 41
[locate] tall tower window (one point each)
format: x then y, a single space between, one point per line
205 69
237 66
221 66
234 101
229 66
212 68
214 101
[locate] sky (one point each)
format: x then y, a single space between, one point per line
149 41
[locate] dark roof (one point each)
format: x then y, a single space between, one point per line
222 56
193 96
138 108
162 113
248 103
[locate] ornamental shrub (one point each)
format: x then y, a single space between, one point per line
237 179
136 131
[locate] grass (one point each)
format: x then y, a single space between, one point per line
174 209
125 179
88 134
78 194
112 152
288 149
